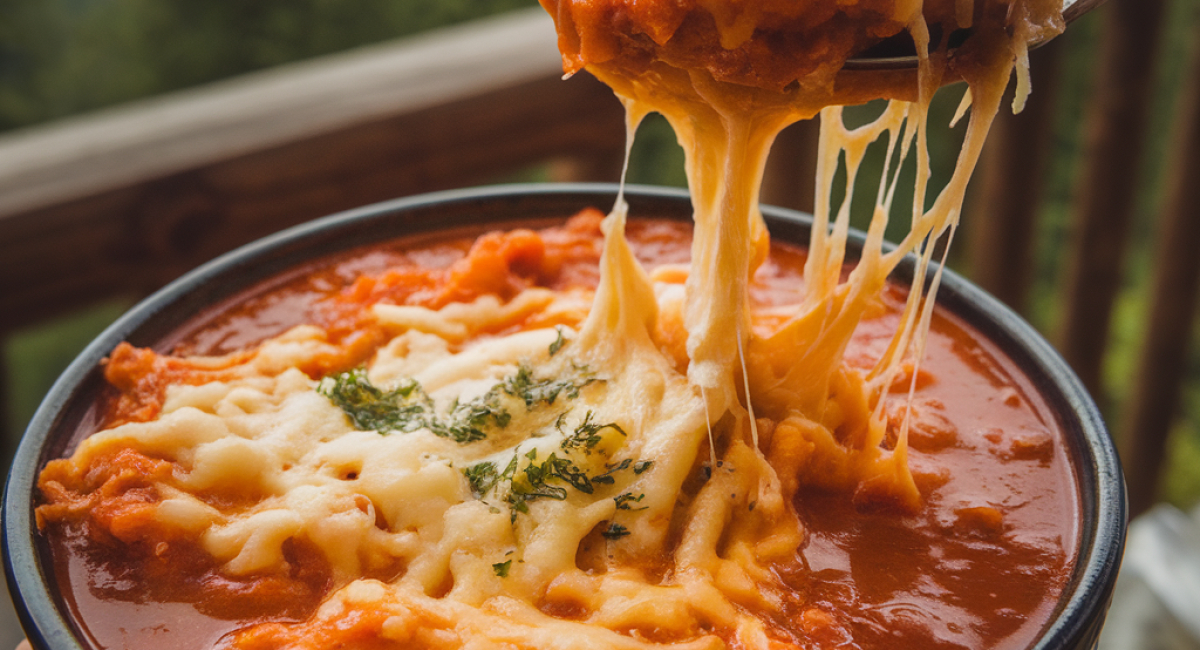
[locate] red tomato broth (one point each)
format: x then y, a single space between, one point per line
999 527
979 582
952 575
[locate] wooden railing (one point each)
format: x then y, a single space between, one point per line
120 202
123 201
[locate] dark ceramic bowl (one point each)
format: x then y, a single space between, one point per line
154 323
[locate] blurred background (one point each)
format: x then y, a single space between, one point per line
1070 215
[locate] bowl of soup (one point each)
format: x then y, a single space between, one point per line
406 426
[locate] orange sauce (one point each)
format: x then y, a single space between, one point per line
980 565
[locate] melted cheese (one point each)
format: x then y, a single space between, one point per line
479 571
726 131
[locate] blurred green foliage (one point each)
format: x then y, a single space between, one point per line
37 356
59 57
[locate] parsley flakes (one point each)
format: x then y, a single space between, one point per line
407 407
615 531
587 435
558 342
547 479
534 391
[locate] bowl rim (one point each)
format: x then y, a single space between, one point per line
1077 619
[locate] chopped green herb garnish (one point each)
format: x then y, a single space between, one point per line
607 477
544 391
543 480
407 407
624 501
501 568
373 409
615 531
558 342
641 466
538 475
587 434
467 421
563 468
482 477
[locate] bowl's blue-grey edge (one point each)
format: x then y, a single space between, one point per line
50 628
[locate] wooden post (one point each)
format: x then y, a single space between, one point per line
1147 422
791 174
1105 194
1003 215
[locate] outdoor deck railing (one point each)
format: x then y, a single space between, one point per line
120 202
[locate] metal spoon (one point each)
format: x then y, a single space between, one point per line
897 52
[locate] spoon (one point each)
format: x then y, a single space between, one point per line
896 53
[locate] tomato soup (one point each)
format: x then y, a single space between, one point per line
981 562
